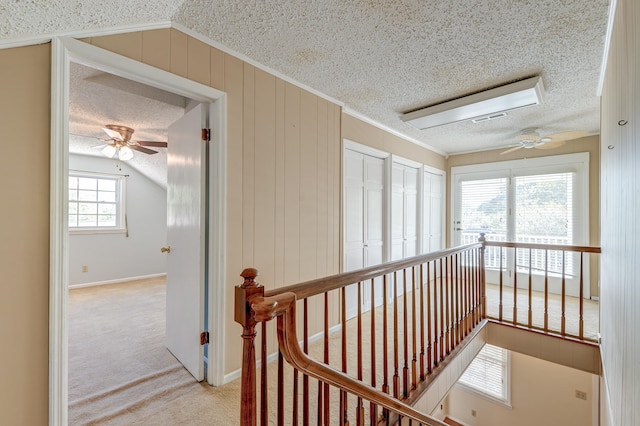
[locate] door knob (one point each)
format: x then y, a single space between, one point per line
165 249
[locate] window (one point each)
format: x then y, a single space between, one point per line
488 374
95 202
541 200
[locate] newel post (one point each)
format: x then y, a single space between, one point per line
483 282
244 315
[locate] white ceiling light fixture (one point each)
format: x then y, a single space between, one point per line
487 103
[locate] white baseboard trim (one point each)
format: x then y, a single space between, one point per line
116 281
236 374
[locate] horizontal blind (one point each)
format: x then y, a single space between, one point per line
483 209
487 372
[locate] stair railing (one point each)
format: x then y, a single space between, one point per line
408 317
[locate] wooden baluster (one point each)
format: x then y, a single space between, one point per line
414 361
280 385
546 290
327 402
344 406
294 402
581 301
264 411
396 377
515 286
385 344
456 286
483 281
243 314
563 319
422 321
447 321
359 408
500 288
373 408
305 378
442 324
429 321
530 312
467 294
405 337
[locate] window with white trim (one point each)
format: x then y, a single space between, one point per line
96 202
488 374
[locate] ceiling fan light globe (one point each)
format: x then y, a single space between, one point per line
125 153
109 151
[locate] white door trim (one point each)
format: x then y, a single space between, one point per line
64 51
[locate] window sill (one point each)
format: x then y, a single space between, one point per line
503 402
89 231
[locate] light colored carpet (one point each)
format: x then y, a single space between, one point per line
120 372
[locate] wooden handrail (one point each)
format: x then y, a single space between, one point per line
538 246
333 282
282 306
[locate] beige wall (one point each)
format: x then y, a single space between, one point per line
361 132
283 216
283 162
24 252
590 144
620 286
542 393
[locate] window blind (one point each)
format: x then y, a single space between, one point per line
483 206
487 373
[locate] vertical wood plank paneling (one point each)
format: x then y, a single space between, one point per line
248 166
198 61
308 184
155 48
217 68
279 237
265 175
179 56
292 184
322 159
233 83
337 185
127 44
620 201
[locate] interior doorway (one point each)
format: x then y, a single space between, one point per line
68 51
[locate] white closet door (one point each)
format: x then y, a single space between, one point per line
432 212
364 221
404 215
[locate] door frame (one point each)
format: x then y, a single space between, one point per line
66 50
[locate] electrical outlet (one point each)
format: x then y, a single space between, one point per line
581 394
473 413
85 268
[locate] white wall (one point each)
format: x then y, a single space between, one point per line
542 393
115 256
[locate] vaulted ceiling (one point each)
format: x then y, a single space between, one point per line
383 58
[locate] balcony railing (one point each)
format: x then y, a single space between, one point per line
411 316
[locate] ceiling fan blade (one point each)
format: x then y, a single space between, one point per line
142 149
113 134
567 136
512 149
151 143
552 145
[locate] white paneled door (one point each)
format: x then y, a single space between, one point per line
432 212
186 216
364 221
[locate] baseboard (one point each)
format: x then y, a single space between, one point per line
236 374
116 281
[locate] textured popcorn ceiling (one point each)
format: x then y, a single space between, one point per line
381 58
385 57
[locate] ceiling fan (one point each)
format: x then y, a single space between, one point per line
530 138
119 143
